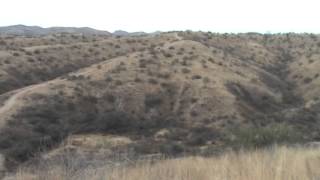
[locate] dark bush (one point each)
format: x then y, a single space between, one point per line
137 79
43 126
265 136
36 51
194 77
152 100
172 148
110 98
185 70
307 80
152 81
16 54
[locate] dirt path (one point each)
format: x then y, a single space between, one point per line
178 37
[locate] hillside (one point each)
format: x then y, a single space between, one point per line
26 61
172 93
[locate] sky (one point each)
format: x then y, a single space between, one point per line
264 16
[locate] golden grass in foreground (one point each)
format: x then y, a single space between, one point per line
280 163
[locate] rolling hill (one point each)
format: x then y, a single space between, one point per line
171 93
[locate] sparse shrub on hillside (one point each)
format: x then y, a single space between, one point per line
184 62
194 77
265 136
201 135
137 80
118 69
97 53
142 63
310 61
3 43
86 55
164 75
30 60
211 60
152 100
153 81
179 53
167 55
6 61
185 70
307 80
142 49
110 98
36 51
28 53
194 113
118 82
172 148
16 54
109 79
313 37
206 80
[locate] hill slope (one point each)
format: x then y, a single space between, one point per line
175 93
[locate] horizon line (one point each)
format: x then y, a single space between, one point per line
174 30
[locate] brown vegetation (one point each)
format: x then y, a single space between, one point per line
276 163
177 93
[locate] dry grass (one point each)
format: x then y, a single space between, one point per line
279 163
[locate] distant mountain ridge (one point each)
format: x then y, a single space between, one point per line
23 30
125 33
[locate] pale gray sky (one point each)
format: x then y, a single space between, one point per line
165 15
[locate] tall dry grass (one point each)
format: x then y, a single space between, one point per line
279 163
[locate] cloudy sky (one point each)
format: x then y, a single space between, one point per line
164 15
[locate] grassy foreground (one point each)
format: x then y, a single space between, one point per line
279 163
